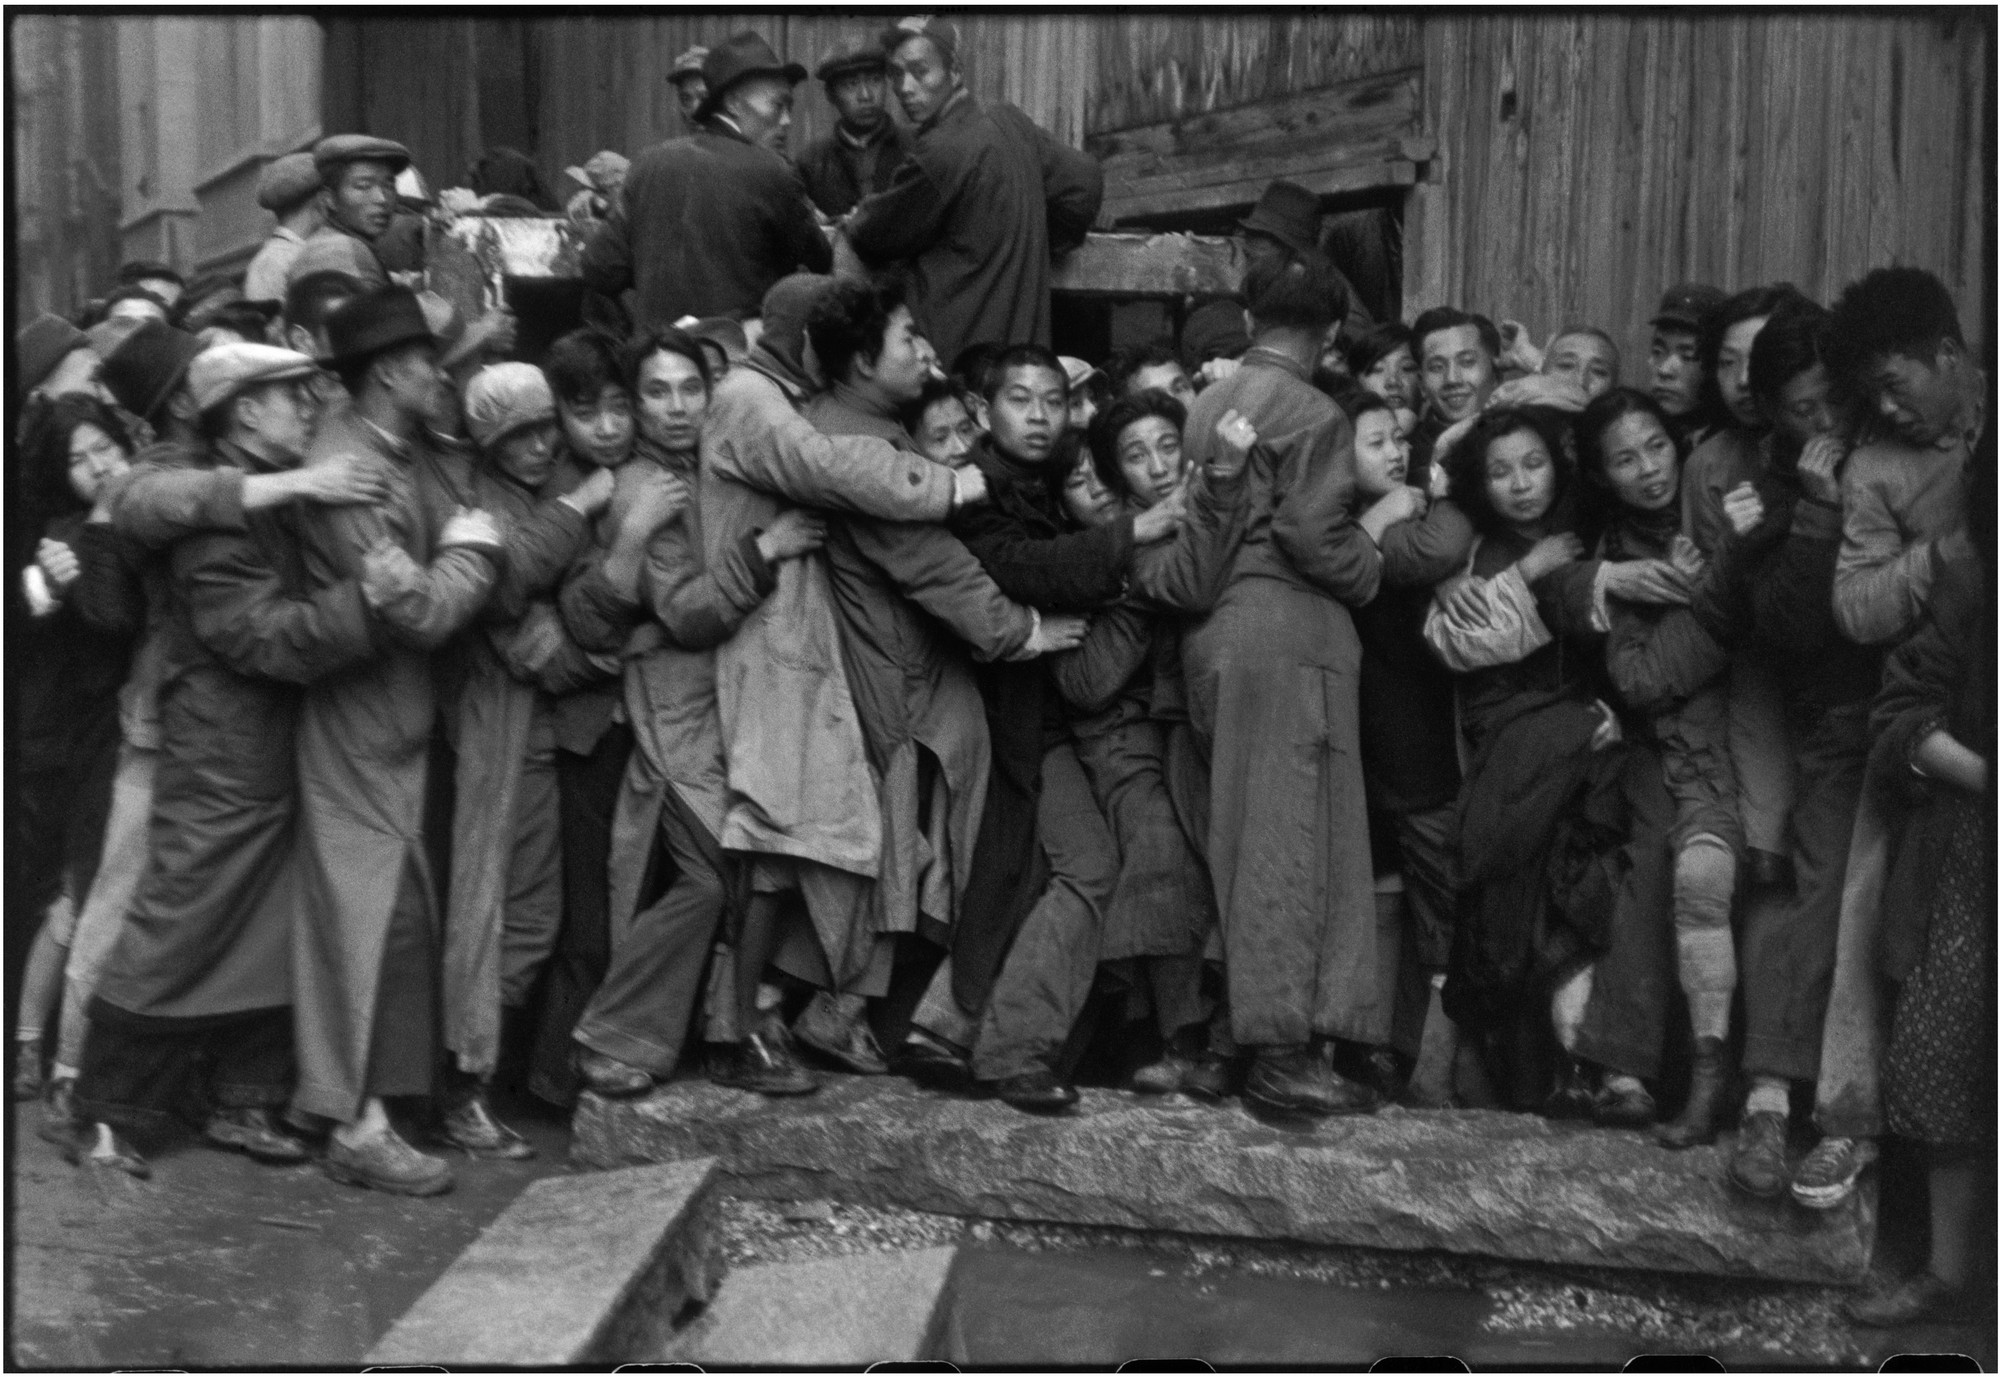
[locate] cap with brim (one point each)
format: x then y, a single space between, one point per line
224 370
286 182
43 343
1688 305
382 319
688 64
330 251
736 59
505 397
849 57
142 372
942 32
1078 371
337 150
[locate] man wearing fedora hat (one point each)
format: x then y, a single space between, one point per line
363 950
1285 222
984 199
357 174
288 187
201 967
866 146
710 221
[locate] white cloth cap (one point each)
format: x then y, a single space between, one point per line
221 371
503 397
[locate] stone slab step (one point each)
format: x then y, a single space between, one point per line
838 1312
1461 1181
579 1269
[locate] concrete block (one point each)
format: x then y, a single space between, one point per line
579 1269
1466 1181
840 1312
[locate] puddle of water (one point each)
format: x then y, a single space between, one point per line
1102 1307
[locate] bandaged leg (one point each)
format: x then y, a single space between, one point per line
1704 881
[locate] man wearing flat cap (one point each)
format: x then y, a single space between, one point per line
364 955
288 187
710 221
201 968
984 200
357 174
866 147
690 88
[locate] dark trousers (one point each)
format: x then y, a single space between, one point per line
1625 1025
1425 843
403 1044
587 786
643 1010
55 831
142 1074
1788 949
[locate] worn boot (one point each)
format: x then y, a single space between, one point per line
836 1027
1297 1080
255 1133
763 1062
1697 1121
1623 1102
1040 1091
609 1076
1757 1166
384 1162
1571 1097
469 1125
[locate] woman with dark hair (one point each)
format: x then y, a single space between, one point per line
85 612
1384 361
1564 882
1673 678
1129 720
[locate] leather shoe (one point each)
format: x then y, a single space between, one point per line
1571 1097
254 1133
1162 1077
1039 1091
1925 1296
1757 1164
386 1163
610 1076
762 1063
470 1126
1295 1081
931 1063
1206 1077
841 1034
1630 1107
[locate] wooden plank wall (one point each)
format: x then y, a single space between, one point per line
64 193
1588 160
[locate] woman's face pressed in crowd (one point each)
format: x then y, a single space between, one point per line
1585 360
945 432
1381 454
94 460
1805 409
528 455
599 430
1028 413
1640 463
672 400
1393 377
1149 455
1732 370
1086 501
1520 478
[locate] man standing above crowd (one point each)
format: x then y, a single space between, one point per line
710 221
984 200
357 173
288 187
690 88
867 146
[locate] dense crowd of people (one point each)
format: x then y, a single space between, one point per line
799 665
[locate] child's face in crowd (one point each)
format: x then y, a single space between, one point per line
1675 359
1640 462
1585 360
1805 407
1381 455
945 432
1393 378
1458 372
1520 478
672 400
1732 370
1028 413
599 430
1150 458
1085 500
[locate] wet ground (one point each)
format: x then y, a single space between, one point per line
220 1262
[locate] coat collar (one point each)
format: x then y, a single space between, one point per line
958 109
1258 356
724 127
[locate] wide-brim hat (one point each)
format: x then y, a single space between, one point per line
1688 305
142 372
375 321
735 59
336 150
221 371
850 56
1289 214
43 343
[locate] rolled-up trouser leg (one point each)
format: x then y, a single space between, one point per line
642 1012
1788 951
1048 971
1704 883
127 843
1848 1099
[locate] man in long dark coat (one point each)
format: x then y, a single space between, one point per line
710 221
984 200
202 965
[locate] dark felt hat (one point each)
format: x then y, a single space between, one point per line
143 371
1688 305
850 56
1214 331
43 343
1289 214
379 320
736 58
335 150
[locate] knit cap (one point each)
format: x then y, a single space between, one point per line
505 397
